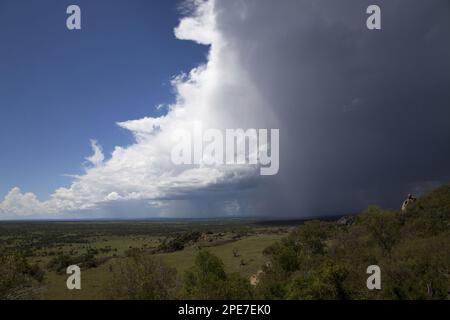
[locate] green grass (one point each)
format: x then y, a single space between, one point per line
250 250
106 242
95 281
94 284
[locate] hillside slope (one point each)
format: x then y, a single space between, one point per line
329 260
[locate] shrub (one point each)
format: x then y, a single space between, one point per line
143 278
207 280
17 277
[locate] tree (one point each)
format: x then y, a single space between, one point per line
383 226
326 283
18 280
419 269
207 280
143 278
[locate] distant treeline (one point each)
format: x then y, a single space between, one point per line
27 237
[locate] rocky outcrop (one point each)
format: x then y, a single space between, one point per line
346 221
408 202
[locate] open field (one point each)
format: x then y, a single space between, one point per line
99 245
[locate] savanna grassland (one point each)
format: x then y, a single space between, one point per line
235 259
46 249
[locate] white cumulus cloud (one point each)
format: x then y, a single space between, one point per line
212 94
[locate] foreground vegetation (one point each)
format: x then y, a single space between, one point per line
105 249
237 259
328 261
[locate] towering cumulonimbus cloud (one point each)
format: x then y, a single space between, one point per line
363 114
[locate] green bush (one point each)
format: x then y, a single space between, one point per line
323 260
18 279
179 242
60 262
207 280
326 283
143 278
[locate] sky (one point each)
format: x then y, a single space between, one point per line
59 89
87 116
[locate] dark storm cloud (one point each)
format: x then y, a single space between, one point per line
364 115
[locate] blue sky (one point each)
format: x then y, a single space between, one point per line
60 88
